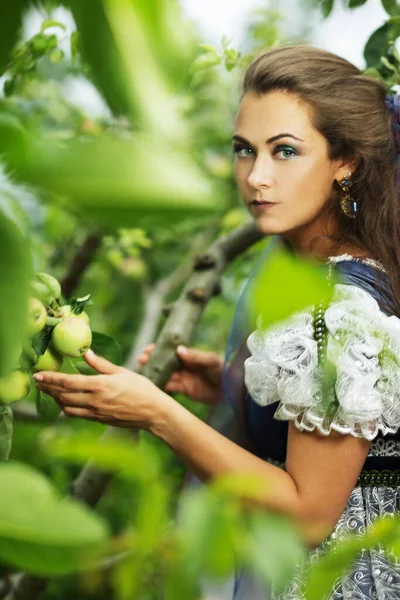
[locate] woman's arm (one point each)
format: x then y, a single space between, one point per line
321 471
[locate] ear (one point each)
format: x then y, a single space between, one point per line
346 166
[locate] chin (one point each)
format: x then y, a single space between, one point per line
268 227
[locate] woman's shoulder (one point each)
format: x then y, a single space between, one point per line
362 349
367 274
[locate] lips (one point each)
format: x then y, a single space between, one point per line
260 202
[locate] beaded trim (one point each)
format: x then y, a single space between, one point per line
386 477
368 261
320 333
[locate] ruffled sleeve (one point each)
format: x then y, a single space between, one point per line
359 393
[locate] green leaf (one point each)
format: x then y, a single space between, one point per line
208 48
324 572
388 64
83 368
113 179
205 61
6 430
272 549
52 23
78 304
239 486
41 340
180 584
356 3
55 536
137 461
74 45
106 346
108 71
146 50
205 532
10 22
47 407
326 7
377 44
14 289
392 7
286 284
395 20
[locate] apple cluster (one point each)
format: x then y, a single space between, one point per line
54 331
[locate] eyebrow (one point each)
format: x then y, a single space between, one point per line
239 138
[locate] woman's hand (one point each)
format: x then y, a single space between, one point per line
116 396
200 377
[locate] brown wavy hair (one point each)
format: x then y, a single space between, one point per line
348 109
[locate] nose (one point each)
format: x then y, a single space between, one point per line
260 175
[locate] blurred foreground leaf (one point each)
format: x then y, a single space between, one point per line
146 51
324 572
138 461
115 181
286 284
14 289
41 533
205 528
6 430
272 548
10 23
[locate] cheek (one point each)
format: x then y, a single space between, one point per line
310 186
242 170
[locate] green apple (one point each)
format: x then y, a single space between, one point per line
72 337
66 311
14 386
37 315
28 357
41 292
51 283
17 353
51 360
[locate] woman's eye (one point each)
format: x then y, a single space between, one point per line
243 152
287 151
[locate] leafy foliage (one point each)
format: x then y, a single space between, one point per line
145 178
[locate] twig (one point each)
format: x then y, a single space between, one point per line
80 262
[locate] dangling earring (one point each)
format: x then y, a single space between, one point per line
348 204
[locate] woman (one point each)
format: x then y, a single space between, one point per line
315 165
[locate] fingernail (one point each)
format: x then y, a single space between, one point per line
182 350
38 377
89 353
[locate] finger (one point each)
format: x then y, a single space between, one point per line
173 387
64 398
147 351
84 413
100 364
143 359
197 357
68 382
55 391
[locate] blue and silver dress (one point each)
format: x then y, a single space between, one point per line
271 377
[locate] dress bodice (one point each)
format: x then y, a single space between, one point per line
268 435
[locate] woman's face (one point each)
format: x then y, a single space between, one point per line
280 158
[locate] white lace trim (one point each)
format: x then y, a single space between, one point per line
384 447
364 399
368 261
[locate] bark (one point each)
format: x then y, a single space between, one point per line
80 263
